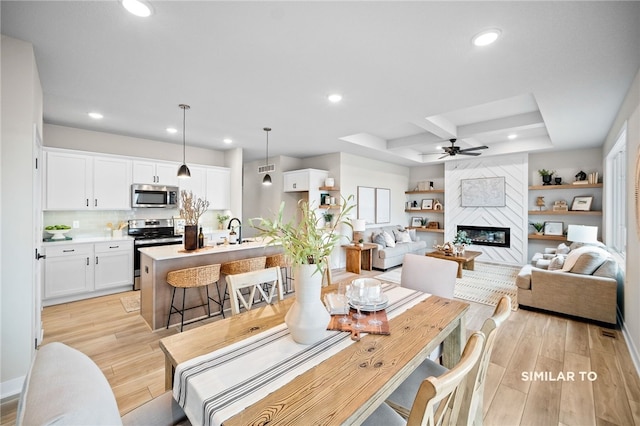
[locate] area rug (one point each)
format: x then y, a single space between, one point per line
486 284
131 303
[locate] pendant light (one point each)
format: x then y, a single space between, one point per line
267 179
183 171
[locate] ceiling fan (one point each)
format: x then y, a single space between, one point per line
453 150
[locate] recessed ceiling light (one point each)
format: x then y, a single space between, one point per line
227 141
336 97
137 7
172 130
487 37
512 136
96 115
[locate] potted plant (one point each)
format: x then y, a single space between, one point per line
328 217
546 176
361 242
222 218
424 221
538 226
191 211
307 245
461 241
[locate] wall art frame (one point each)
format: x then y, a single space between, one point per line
483 192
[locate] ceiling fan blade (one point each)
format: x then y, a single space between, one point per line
469 153
474 148
444 156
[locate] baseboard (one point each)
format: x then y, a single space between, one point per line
11 388
633 350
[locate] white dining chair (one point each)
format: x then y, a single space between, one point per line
267 282
471 406
438 400
428 274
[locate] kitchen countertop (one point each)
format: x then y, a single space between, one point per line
87 240
176 251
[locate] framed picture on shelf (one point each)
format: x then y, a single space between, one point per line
416 222
427 204
581 204
553 228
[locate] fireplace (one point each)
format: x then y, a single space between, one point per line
487 235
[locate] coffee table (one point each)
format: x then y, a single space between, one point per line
465 260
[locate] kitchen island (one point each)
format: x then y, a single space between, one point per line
156 262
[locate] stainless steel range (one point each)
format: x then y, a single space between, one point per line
150 233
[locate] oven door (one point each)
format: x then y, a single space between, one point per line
138 244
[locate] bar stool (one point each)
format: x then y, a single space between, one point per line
279 260
199 276
240 267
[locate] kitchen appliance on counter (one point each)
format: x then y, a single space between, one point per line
150 233
158 196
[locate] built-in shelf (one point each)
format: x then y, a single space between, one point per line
329 206
329 188
547 237
437 231
566 213
424 211
428 191
545 187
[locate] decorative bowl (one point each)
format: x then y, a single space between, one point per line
58 234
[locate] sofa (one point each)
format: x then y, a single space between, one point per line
65 387
578 280
392 243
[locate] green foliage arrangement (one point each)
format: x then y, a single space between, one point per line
545 172
307 242
538 226
461 238
222 218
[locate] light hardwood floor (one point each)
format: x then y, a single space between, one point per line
129 355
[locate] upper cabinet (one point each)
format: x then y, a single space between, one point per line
83 182
304 180
155 172
219 188
197 183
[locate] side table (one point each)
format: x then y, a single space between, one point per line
359 258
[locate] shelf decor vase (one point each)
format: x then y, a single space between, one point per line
546 179
190 237
307 319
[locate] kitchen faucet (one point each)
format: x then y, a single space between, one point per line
239 228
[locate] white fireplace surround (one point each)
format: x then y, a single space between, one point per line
514 168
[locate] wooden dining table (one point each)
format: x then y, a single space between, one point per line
347 387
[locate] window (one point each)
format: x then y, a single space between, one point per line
616 194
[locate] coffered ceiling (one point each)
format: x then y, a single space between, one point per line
408 73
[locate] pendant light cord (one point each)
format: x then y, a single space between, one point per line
184 143
267 129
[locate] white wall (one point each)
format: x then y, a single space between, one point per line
21 109
109 143
630 112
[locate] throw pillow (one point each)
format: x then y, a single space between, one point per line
588 260
412 234
401 236
378 238
609 269
556 263
573 257
388 239
563 249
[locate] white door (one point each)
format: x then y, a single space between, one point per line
144 172
167 173
197 183
68 181
219 188
38 264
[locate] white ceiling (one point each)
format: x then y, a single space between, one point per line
408 72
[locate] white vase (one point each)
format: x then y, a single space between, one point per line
307 318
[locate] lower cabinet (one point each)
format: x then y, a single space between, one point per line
84 270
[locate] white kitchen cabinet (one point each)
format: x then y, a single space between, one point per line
197 183
85 182
113 264
219 188
155 172
84 270
68 270
68 181
304 180
111 183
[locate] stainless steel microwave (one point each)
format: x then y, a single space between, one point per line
158 196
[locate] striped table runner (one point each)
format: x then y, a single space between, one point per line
218 385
